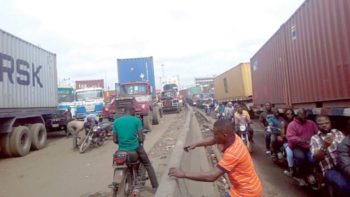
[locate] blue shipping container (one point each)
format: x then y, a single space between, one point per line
136 70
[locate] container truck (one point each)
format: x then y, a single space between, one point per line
306 63
136 87
234 85
193 95
89 101
29 101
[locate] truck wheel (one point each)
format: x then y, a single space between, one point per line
147 123
155 116
39 136
20 141
5 145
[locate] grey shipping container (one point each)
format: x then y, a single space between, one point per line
28 75
307 62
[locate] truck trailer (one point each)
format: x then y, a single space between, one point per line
306 63
29 99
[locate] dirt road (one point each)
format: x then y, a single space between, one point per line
59 171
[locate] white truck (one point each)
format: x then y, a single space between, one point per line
28 104
89 101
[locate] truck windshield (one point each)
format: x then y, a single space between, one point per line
65 95
169 87
169 94
133 89
89 95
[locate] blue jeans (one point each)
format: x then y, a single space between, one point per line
302 156
227 195
335 178
289 153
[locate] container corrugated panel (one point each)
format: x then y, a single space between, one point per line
136 70
247 79
318 47
268 67
28 74
234 83
99 83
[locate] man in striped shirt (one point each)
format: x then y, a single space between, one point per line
236 162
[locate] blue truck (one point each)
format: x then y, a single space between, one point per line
137 70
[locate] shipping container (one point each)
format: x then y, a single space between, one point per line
29 96
99 83
307 62
234 84
193 91
137 70
28 75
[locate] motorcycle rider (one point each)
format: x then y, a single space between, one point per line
324 151
276 123
344 153
220 109
299 133
236 162
126 132
242 117
263 120
289 117
229 111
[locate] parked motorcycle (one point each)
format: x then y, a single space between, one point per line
129 173
96 135
244 133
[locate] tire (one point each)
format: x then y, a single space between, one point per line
39 136
5 145
125 187
155 116
20 141
147 123
85 145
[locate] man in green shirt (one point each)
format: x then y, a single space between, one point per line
126 132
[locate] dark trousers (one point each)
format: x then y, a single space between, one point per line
267 140
339 181
147 163
275 145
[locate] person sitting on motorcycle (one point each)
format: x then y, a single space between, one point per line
288 118
262 118
324 151
236 162
242 118
126 132
299 133
344 153
275 122
229 111
220 109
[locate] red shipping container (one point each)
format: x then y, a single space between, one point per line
99 83
310 64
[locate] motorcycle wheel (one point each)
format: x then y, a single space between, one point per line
85 145
125 187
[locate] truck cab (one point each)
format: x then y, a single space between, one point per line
138 95
89 101
66 99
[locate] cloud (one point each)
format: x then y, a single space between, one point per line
191 38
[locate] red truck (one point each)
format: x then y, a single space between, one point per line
138 95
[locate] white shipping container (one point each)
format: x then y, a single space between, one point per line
28 74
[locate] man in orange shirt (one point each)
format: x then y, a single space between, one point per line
236 162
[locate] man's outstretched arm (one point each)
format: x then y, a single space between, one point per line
210 176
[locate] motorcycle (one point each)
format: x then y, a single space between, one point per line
96 135
244 133
129 173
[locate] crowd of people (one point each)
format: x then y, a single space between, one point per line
309 146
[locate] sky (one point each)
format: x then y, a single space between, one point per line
191 38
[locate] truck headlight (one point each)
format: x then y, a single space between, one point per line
143 106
